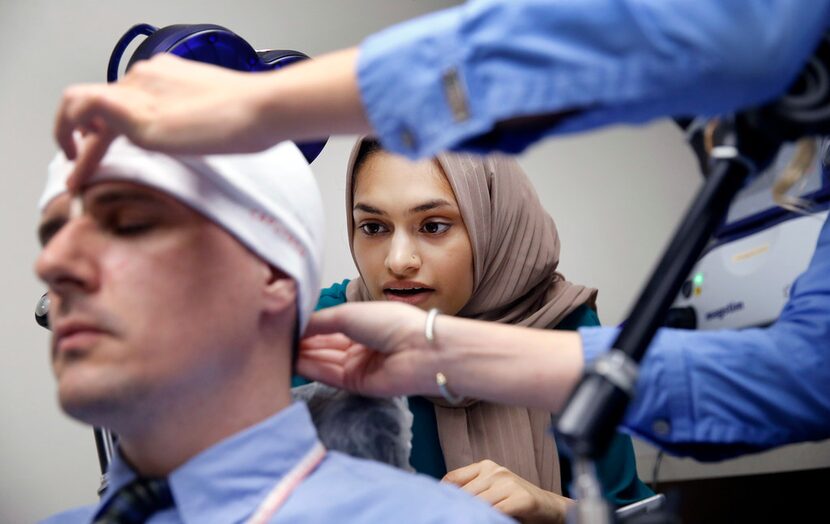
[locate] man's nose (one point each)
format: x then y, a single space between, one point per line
66 262
403 256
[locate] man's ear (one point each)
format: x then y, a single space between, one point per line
279 293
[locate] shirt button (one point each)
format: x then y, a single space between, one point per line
408 139
661 427
457 98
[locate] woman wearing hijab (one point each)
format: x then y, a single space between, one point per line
468 235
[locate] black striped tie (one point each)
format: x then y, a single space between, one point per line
136 502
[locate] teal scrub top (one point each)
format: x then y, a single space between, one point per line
617 470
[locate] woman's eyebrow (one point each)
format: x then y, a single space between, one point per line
368 209
420 208
432 204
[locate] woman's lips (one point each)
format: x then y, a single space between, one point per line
408 296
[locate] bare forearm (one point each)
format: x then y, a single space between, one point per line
314 99
508 364
380 348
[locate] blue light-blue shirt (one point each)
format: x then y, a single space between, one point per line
446 80
712 394
227 482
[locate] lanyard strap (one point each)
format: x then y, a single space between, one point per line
277 496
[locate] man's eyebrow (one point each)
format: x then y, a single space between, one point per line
432 204
48 228
368 209
118 196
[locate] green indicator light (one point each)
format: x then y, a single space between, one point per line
698 280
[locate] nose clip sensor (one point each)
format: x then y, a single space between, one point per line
42 311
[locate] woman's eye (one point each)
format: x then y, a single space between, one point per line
435 228
372 228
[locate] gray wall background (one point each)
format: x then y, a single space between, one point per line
615 195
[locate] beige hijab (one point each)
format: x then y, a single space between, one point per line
515 254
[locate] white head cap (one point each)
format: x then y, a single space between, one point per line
268 201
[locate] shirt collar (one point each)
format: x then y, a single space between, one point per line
226 482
